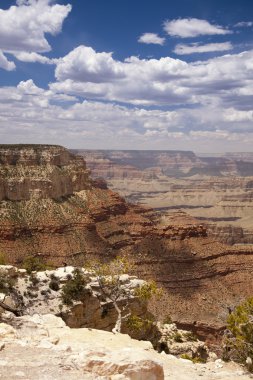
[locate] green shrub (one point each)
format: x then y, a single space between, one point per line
147 290
167 320
74 289
6 284
34 280
238 341
33 263
2 259
195 360
54 285
136 323
190 337
186 356
178 337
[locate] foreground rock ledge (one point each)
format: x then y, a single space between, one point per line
43 347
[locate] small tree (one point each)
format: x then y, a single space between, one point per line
238 341
114 290
74 289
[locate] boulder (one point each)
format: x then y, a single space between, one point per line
129 364
7 332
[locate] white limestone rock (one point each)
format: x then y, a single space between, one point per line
133 365
7 332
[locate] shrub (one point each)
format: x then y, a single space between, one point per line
74 289
193 360
167 320
32 263
190 337
2 259
238 340
6 284
178 337
147 290
34 280
54 285
185 356
136 323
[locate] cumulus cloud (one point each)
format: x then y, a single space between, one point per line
164 81
192 27
31 114
182 49
244 24
234 115
34 57
23 27
151 38
85 65
5 64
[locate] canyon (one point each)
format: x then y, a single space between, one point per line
52 208
216 190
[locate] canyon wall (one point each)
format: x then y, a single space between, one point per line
64 216
215 190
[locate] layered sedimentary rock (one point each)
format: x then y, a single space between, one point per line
171 163
64 216
51 207
216 190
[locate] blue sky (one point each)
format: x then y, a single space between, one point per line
127 74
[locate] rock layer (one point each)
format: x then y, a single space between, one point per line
73 218
217 190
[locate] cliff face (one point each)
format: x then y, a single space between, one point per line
179 164
50 207
41 172
215 190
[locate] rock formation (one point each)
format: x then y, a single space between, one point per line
42 346
43 292
216 190
61 215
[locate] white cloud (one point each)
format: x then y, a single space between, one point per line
192 27
33 57
182 49
151 38
31 114
23 28
244 24
5 64
85 65
234 115
166 81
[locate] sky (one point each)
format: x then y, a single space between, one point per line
127 74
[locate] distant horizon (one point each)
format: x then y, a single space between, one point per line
75 74
17 145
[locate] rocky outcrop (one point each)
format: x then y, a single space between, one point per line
44 347
76 354
43 292
40 172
